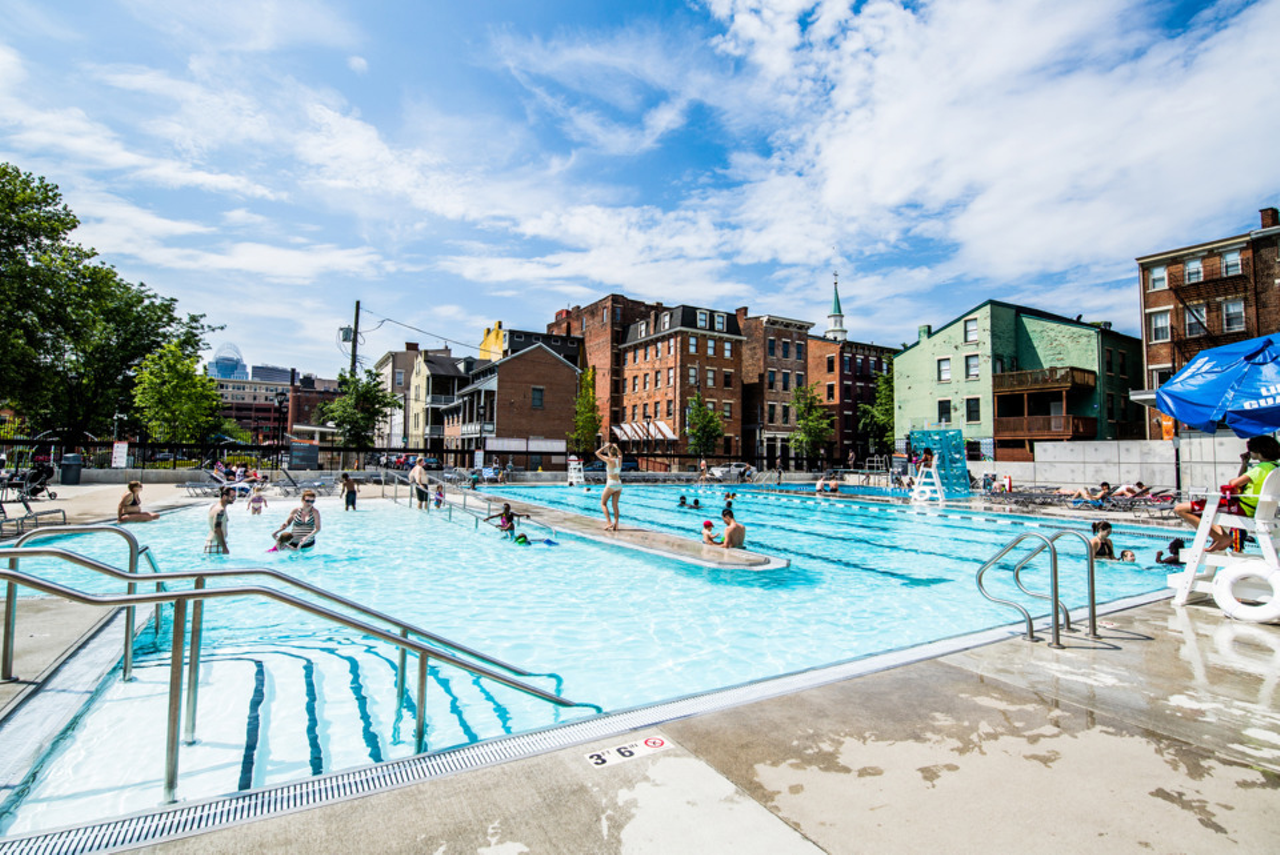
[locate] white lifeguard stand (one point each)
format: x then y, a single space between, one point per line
928 486
575 472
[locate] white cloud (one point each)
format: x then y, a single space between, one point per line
248 25
358 64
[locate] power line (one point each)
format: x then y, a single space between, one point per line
385 319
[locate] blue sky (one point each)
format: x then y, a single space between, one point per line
451 164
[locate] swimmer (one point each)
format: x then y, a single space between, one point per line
709 534
682 503
1128 555
506 519
1175 549
1101 542
257 501
305 523
696 504
612 457
216 542
349 489
438 499
735 533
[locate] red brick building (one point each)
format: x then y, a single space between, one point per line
667 357
845 373
517 409
1207 295
775 364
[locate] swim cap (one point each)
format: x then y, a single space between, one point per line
707 523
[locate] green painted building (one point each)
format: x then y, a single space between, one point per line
1009 376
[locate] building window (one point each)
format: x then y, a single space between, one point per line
720 322
633 412
646 353
711 378
786 349
1194 272
773 413
693 344
971 367
971 329
1108 361
831 391
702 320
693 375
635 356
972 410
1156 279
728 409
669 407
1232 315
535 397
799 379
399 376
769 379
786 414
1160 376
831 364
666 321
728 379
617 313
1195 320
944 412
645 411
846 361
1231 263
800 350
644 329
944 370
728 350
771 346
1124 363
1111 407
635 384
1158 326
711 347
671 346
646 381
671 376
786 381
657 379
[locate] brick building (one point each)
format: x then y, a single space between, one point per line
665 358
602 326
1204 296
518 409
774 363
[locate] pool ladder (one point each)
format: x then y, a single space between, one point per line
196 596
398 478
1047 543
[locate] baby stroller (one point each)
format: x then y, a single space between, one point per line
36 482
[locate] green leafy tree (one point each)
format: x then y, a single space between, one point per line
363 404
175 401
231 429
703 427
876 419
586 416
814 424
72 331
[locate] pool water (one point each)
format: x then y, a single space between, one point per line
285 695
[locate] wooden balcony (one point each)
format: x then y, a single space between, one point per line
1044 380
1046 427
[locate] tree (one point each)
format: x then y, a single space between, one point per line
72 331
703 427
175 401
876 419
814 425
586 417
363 404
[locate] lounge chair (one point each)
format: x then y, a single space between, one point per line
31 518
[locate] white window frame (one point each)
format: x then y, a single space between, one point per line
944 362
1192 270
1195 320
1234 301
728 350
1151 330
968 420
666 321
1231 265
719 322
702 319
711 378
976 360
711 346
693 344
970 325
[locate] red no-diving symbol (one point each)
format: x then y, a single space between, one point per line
654 742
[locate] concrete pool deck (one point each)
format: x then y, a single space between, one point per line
1165 737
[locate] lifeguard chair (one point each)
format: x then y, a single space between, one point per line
1232 578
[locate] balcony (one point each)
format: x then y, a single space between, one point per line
1044 380
474 429
1046 427
440 400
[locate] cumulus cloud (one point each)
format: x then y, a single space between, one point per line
358 64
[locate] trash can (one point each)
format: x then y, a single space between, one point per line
70 467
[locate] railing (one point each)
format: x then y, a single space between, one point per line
472 510
440 400
1052 596
198 594
1212 272
1044 378
1073 427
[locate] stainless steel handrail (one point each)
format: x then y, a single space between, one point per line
1053 584
180 599
1093 600
6 654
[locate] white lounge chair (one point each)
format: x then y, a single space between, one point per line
1251 575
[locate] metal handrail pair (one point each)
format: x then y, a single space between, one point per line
398 478
197 595
1048 542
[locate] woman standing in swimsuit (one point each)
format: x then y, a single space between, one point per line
130 507
305 522
612 457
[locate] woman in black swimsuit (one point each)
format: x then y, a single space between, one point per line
1101 542
130 507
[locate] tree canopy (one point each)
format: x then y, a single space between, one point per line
703 427
876 419
363 404
175 401
586 416
814 424
72 332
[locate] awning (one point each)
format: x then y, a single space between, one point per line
665 431
617 432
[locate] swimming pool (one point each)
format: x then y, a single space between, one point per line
285 695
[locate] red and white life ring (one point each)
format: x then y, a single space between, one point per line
1225 598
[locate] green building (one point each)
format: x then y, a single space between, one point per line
1009 376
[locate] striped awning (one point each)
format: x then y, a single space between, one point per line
664 430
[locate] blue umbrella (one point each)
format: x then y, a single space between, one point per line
1237 383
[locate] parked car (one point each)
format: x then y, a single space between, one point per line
629 464
729 471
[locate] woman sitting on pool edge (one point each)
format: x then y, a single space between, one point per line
305 522
130 507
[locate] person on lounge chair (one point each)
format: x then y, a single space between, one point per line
1131 491
1085 496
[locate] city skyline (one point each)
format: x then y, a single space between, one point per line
270 163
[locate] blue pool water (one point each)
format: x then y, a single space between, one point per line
285 695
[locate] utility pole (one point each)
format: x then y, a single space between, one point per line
355 339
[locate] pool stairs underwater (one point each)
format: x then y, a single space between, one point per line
268 715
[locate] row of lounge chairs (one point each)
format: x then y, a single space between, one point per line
1156 504
284 483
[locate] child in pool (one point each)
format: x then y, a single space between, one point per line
257 501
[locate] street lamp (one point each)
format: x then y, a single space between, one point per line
282 405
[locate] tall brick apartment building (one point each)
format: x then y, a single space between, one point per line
1206 295
668 356
775 364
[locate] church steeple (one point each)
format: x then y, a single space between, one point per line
836 331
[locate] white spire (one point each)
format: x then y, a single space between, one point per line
836 330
